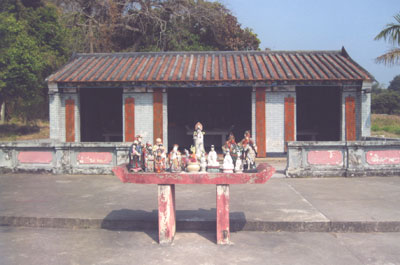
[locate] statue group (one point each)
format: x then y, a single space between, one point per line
238 157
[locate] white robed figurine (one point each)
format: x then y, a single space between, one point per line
212 158
228 163
198 137
239 164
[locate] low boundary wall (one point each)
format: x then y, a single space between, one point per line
62 158
358 158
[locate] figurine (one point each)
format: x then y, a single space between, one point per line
231 146
203 163
198 137
249 152
159 156
185 159
193 165
140 148
213 157
175 159
134 157
212 160
228 163
238 164
148 158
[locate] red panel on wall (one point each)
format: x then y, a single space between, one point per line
157 114
329 157
70 120
350 119
260 122
94 158
129 119
33 157
289 120
383 157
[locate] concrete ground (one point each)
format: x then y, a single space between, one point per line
37 246
63 219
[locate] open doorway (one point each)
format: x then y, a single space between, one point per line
318 113
220 110
101 114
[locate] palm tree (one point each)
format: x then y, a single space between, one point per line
390 34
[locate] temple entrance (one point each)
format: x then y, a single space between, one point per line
220 110
101 114
318 113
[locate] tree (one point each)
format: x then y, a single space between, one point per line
395 84
391 34
154 25
31 47
387 102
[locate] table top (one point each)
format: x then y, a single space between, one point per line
264 173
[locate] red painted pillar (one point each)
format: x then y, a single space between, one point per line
223 234
129 119
166 213
289 120
260 122
350 119
69 120
157 114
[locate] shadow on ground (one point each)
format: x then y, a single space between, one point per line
186 220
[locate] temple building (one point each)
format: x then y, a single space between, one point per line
280 96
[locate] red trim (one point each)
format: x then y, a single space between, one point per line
69 120
350 119
260 122
157 114
129 119
289 120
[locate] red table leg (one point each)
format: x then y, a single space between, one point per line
223 234
166 213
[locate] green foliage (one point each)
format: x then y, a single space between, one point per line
32 45
387 102
391 34
395 84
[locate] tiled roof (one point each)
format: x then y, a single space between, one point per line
211 66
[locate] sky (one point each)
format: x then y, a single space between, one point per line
322 25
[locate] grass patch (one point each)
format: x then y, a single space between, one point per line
15 130
387 125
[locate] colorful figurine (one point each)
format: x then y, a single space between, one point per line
140 148
185 159
249 152
148 158
231 146
159 156
134 157
174 158
193 165
228 163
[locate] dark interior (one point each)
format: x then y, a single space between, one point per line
101 114
318 113
215 108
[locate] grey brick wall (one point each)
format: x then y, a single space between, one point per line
253 114
165 119
275 120
143 114
366 109
54 115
